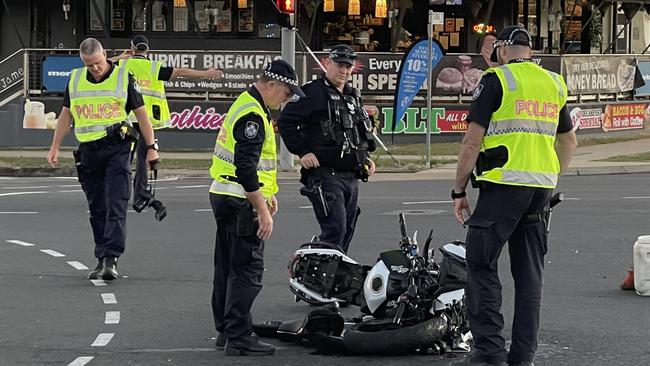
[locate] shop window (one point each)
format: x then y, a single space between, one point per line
139 11
203 13
246 19
118 14
95 20
159 15
181 16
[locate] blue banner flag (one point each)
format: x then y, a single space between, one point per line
56 71
644 68
412 74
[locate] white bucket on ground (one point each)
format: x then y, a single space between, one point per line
642 265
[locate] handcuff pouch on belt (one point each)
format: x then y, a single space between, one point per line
489 159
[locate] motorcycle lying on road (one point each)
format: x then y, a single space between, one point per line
409 301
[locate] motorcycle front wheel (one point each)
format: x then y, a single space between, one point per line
364 338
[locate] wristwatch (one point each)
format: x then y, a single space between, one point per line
455 195
153 146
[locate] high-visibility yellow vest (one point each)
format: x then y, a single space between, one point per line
152 90
526 124
224 152
97 106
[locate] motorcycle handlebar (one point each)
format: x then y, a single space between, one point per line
402 226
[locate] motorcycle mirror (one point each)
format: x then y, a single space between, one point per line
415 237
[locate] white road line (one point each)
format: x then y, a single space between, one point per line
305 207
20 193
112 317
131 211
67 186
8 178
20 242
571 199
77 265
23 187
18 212
109 298
425 202
65 177
81 361
636 198
102 339
53 253
98 283
196 186
203 210
70 191
167 179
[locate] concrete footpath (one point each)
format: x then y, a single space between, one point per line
585 162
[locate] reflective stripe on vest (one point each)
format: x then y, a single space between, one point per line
235 189
95 106
264 165
522 125
525 125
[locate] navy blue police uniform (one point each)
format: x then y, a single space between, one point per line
105 176
505 213
337 130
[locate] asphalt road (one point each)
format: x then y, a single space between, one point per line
51 315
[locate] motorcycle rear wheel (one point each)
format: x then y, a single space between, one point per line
362 339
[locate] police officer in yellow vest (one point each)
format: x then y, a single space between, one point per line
520 139
151 76
98 98
243 200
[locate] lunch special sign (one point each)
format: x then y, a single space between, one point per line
614 117
599 74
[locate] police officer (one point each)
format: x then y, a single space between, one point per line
151 76
332 134
98 98
243 200
520 139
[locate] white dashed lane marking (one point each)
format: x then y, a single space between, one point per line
18 212
102 339
70 191
425 202
112 317
53 253
20 193
23 187
196 186
77 265
81 361
20 242
99 283
636 198
109 298
203 210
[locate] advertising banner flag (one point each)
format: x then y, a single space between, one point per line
56 71
644 68
413 73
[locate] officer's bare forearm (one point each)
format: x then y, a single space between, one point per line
62 127
469 151
565 145
187 73
258 201
145 125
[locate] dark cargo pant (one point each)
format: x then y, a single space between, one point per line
105 179
506 213
238 265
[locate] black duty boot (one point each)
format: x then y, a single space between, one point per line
95 273
221 341
109 272
248 345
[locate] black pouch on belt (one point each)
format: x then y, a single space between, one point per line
247 223
317 198
77 164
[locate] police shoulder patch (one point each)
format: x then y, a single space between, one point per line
251 129
477 92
